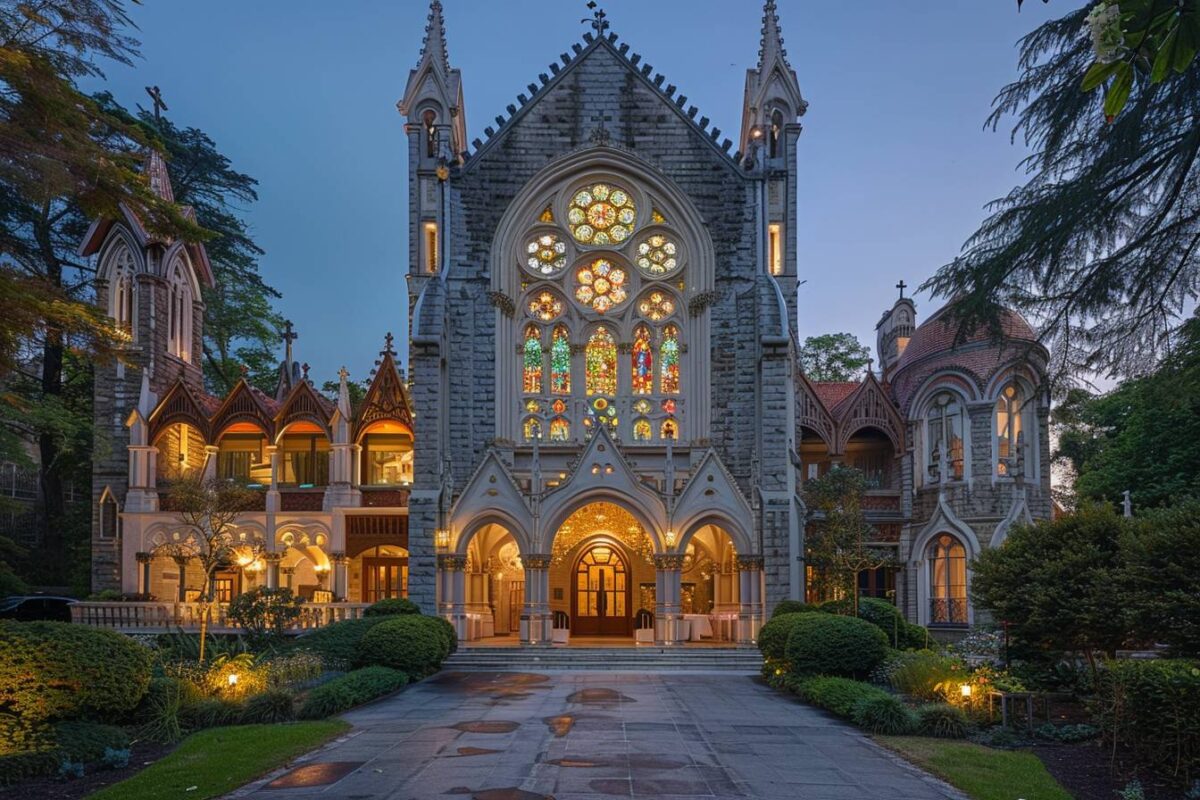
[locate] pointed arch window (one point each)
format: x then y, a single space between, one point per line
668 354
642 432
560 361
947 581
179 313
1012 431
642 361
531 361
533 429
945 446
121 299
669 429
600 363
560 430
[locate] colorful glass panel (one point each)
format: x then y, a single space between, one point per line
560 363
656 306
668 354
669 429
546 253
600 363
558 406
642 430
656 216
531 366
600 285
642 358
642 406
601 214
657 255
533 429
547 215
560 430
545 306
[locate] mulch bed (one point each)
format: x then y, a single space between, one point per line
142 755
1085 770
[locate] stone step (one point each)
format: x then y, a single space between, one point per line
648 659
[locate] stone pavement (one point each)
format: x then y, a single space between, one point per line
525 736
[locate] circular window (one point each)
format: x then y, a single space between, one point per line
545 306
601 286
601 214
546 254
656 305
657 254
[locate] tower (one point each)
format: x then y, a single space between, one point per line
893 331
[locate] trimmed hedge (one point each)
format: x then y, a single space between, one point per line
449 632
943 721
53 670
338 643
773 636
271 706
884 715
789 607
352 689
837 695
824 644
1153 708
390 606
412 644
901 634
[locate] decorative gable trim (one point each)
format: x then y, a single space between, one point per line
387 398
711 497
869 406
303 404
242 406
179 405
811 412
491 496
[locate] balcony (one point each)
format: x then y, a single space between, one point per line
948 612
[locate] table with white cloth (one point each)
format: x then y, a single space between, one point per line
725 625
700 627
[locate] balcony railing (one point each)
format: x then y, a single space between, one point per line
161 616
948 611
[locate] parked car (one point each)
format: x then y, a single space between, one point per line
33 607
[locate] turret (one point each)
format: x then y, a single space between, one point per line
893 331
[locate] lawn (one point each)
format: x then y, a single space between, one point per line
216 761
981 772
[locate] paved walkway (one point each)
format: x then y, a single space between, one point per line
524 736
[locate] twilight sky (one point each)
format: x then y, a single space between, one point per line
894 165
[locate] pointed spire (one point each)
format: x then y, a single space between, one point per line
343 401
434 43
159 177
771 43
771 87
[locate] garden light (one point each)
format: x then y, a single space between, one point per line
233 679
966 691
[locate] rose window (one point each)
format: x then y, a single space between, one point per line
656 306
547 253
600 285
601 214
545 306
657 255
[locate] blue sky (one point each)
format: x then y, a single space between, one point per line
894 165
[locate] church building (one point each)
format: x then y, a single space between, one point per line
602 428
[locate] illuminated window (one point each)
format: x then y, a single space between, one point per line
668 354
642 432
947 581
533 429
600 363
546 254
121 279
389 459
179 313
657 255
560 430
531 361
545 306
601 214
600 285
656 306
642 358
431 247
560 361
944 442
304 461
775 248
669 429
430 119
241 458
1011 425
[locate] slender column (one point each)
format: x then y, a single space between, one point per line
273 488
750 607
537 623
667 610
272 561
143 560
341 565
289 576
210 462
454 602
182 562
356 465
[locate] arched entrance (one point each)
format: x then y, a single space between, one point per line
602 592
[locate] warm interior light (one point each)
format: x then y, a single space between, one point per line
441 537
966 690
756 132
670 538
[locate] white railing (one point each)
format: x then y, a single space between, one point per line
168 616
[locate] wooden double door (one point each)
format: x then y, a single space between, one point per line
602 593
384 577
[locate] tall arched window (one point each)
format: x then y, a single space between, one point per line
121 280
429 121
1013 429
560 430
531 361
944 445
560 361
668 354
642 361
600 363
947 581
179 312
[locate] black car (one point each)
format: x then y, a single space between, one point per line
34 607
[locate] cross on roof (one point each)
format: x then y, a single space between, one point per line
387 345
289 335
156 97
901 286
598 20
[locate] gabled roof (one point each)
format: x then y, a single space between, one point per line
387 397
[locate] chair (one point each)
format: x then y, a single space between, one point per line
643 627
561 632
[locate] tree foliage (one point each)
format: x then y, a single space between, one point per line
1161 577
833 357
1100 244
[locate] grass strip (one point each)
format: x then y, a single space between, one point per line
983 773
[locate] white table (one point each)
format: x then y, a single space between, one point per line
700 627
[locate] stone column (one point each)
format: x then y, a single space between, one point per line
182 562
272 561
143 586
289 574
667 610
273 488
454 587
537 623
341 582
750 607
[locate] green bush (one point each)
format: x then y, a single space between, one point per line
39 751
266 614
942 720
918 674
85 742
773 636
837 695
337 644
448 631
789 607
52 670
293 670
212 712
352 689
901 634
823 644
392 605
1153 709
271 706
412 644
884 715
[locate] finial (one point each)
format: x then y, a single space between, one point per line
599 19
902 286
434 42
159 106
343 374
870 366
387 350
289 336
304 370
771 43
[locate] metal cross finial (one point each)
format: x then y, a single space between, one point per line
156 98
304 369
901 286
387 345
289 335
870 365
598 20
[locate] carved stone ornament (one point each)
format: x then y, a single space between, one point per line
503 302
700 302
536 561
749 563
451 562
668 561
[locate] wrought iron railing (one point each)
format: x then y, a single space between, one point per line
162 615
948 611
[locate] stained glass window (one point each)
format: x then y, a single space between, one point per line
642 406
656 306
533 429
560 363
668 355
560 430
642 362
642 432
657 254
601 214
546 253
656 216
558 406
669 429
533 406
531 366
600 363
545 306
547 215
601 285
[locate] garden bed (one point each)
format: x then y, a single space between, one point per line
142 754
1085 770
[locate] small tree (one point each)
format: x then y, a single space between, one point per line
266 614
833 357
210 508
838 537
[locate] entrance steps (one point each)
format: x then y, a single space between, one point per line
608 659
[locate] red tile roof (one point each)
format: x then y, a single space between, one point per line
830 393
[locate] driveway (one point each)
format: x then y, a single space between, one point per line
525 736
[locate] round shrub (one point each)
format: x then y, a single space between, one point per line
901 633
349 690
884 715
789 607
448 631
943 721
337 644
51 670
392 605
266 614
412 644
773 636
838 695
823 644
271 706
